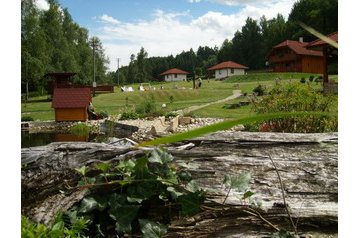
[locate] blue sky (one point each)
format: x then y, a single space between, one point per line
165 27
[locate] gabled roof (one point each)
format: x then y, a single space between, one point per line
71 97
228 65
317 43
174 71
297 47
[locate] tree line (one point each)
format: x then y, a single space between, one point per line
52 42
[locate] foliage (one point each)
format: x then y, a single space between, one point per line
282 234
63 226
259 90
294 98
130 116
103 114
123 195
239 184
26 118
303 80
80 129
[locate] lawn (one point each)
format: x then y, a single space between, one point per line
176 95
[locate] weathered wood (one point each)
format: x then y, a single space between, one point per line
307 163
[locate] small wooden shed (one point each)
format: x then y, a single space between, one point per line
71 104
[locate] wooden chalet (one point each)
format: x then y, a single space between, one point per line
327 50
293 56
71 104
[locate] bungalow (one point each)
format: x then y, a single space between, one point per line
227 69
174 75
71 104
293 56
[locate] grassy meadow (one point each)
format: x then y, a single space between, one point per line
176 95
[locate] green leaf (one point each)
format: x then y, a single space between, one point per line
227 125
126 166
82 170
141 168
124 215
104 167
152 229
192 186
160 156
174 194
190 203
89 204
239 183
247 194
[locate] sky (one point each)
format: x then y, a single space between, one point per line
165 27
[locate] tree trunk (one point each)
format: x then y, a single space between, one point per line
307 164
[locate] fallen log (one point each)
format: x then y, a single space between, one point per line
307 164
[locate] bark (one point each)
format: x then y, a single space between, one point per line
307 163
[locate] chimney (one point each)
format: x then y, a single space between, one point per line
300 39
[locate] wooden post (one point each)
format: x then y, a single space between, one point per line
325 63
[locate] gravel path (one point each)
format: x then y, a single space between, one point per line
235 94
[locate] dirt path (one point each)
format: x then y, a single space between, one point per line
235 94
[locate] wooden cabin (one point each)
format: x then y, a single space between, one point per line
292 56
71 104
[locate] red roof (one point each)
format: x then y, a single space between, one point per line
297 47
228 65
317 43
174 71
71 97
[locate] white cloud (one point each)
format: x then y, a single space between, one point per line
42 5
193 1
166 34
108 19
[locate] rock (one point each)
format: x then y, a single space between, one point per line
173 125
184 120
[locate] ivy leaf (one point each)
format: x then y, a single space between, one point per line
104 167
89 204
239 183
152 229
57 229
190 203
174 194
126 166
160 156
141 168
82 170
124 215
192 186
247 194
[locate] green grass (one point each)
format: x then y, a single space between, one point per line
116 103
267 77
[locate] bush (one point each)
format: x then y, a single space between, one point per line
295 98
80 129
103 114
311 78
146 107
26 118
130 116
303 80
259 90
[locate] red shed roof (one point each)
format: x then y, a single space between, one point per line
71 97
317 43
297 47
228 64
174 71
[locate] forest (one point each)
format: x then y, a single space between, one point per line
52 42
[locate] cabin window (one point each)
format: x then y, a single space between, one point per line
232 71
176 76
219 71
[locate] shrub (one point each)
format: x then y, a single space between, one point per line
80 129
303 80
311 78
146 107
130 116
103 114
171 99
294 98
259 90
26 118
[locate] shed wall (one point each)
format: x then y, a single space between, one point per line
70 114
